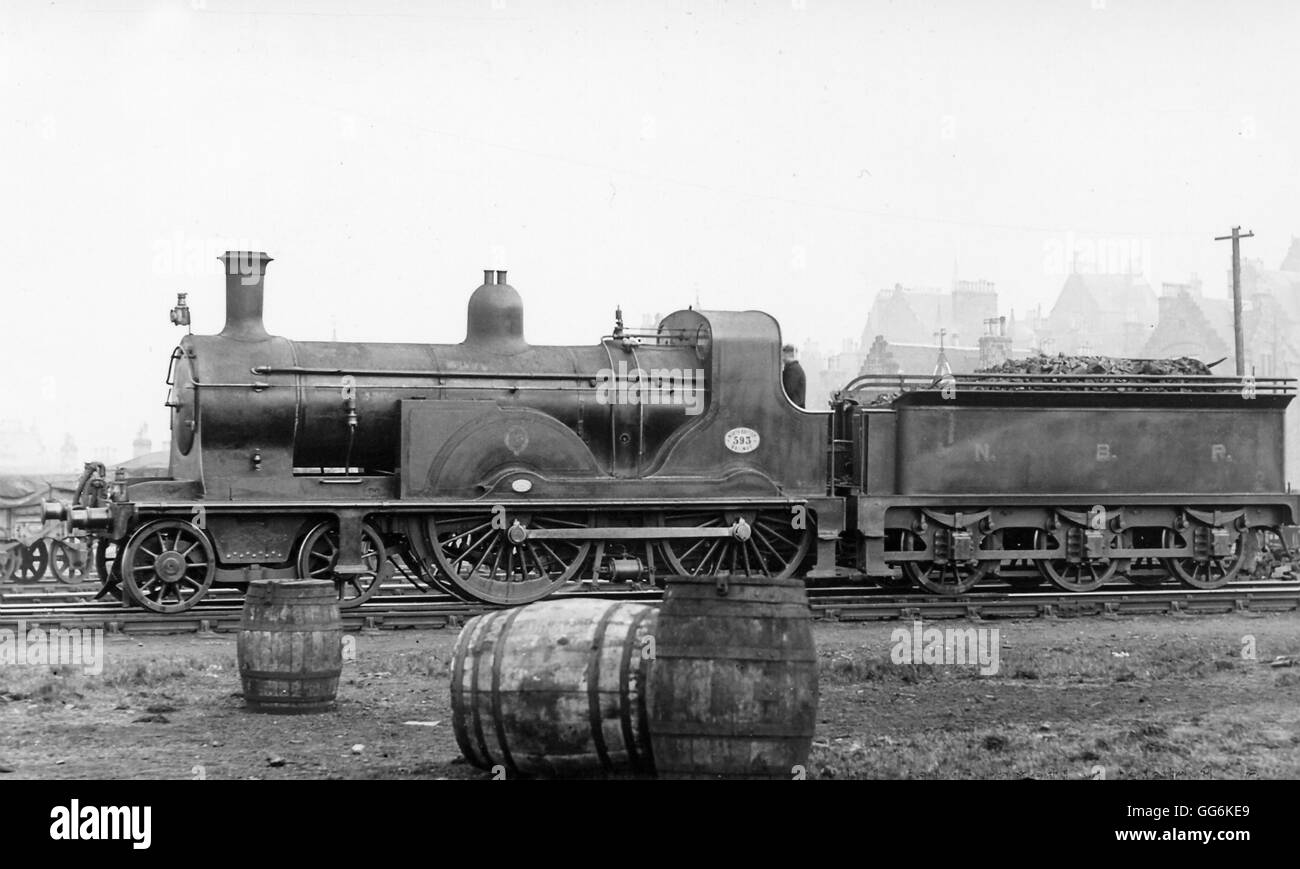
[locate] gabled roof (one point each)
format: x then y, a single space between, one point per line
1282 285
906 314
1291 262
1128 297
1185 329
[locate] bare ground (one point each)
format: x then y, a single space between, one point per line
1124 697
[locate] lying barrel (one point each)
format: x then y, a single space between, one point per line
555 688
733 693
290 646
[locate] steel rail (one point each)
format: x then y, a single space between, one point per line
834 604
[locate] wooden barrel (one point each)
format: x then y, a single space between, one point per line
290 646
555 688
733 692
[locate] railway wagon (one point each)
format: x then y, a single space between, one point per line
31 546
496 469
1071 479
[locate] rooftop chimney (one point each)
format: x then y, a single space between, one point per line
245 272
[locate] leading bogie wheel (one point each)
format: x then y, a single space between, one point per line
319 555
168 565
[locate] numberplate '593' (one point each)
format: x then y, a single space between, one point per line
741 440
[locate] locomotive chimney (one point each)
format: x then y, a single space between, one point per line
245 273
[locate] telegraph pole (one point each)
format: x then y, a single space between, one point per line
1236 295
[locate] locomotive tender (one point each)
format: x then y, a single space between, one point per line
1072 479
502 471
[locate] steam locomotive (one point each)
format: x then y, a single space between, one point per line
503 471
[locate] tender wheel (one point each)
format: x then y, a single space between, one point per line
901 581
482 562
943 577
320 553
69 559
1204 571
1076 573
1145 575
1022 578
1019 573
36 557
11 558
168 565
773 548
1147 571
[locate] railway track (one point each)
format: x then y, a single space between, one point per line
414 609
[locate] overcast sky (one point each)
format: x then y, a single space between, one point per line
791 156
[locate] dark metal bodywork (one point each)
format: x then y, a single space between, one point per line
1096 442
270 434
979 454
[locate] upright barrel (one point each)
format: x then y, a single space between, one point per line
290 646
556 688
733 692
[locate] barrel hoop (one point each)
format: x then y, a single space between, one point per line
289 676
291 628
498 658
304 595
761 611
479 735
625 695
593 686
748 730
736 653
289 701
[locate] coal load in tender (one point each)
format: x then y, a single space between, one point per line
1062 364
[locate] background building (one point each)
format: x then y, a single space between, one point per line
906 329
1101 314
1189 324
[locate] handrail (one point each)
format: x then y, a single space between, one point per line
1075 383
